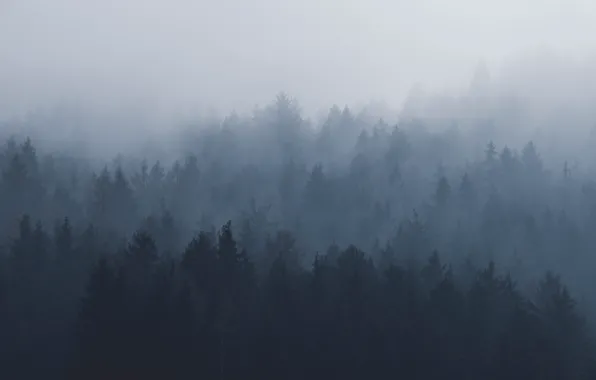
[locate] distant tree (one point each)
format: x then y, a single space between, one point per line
317 188
122 201
443 192
63 239
508 161
490 152
432 274
467 192
531 159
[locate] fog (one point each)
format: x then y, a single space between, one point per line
318 189
178 56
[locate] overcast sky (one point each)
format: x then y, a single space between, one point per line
174 54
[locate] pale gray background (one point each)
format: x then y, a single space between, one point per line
174 56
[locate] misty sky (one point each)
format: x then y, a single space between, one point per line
178 54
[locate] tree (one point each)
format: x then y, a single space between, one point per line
530 158
317 188
282 248
432 274
98 324
566 347
102 190
142 251
443 192
467 192
63 239
508 161
29 155
566 170
490 152
199 260
122 201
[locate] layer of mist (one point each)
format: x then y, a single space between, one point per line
399 210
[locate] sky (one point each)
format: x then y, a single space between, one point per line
178 55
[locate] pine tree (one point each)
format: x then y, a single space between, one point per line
531 159
443 192
490 152
98 324
63 240
467 192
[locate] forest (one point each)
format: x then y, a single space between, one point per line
268 247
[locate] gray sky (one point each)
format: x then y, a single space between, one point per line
174 54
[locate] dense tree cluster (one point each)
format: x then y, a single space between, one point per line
274 249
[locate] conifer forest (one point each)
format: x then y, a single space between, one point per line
271 248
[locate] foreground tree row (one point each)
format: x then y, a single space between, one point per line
218 311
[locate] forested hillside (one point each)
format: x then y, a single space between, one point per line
272 247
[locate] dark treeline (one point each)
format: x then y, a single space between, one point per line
274 249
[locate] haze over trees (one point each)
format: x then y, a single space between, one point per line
400 213
272 246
